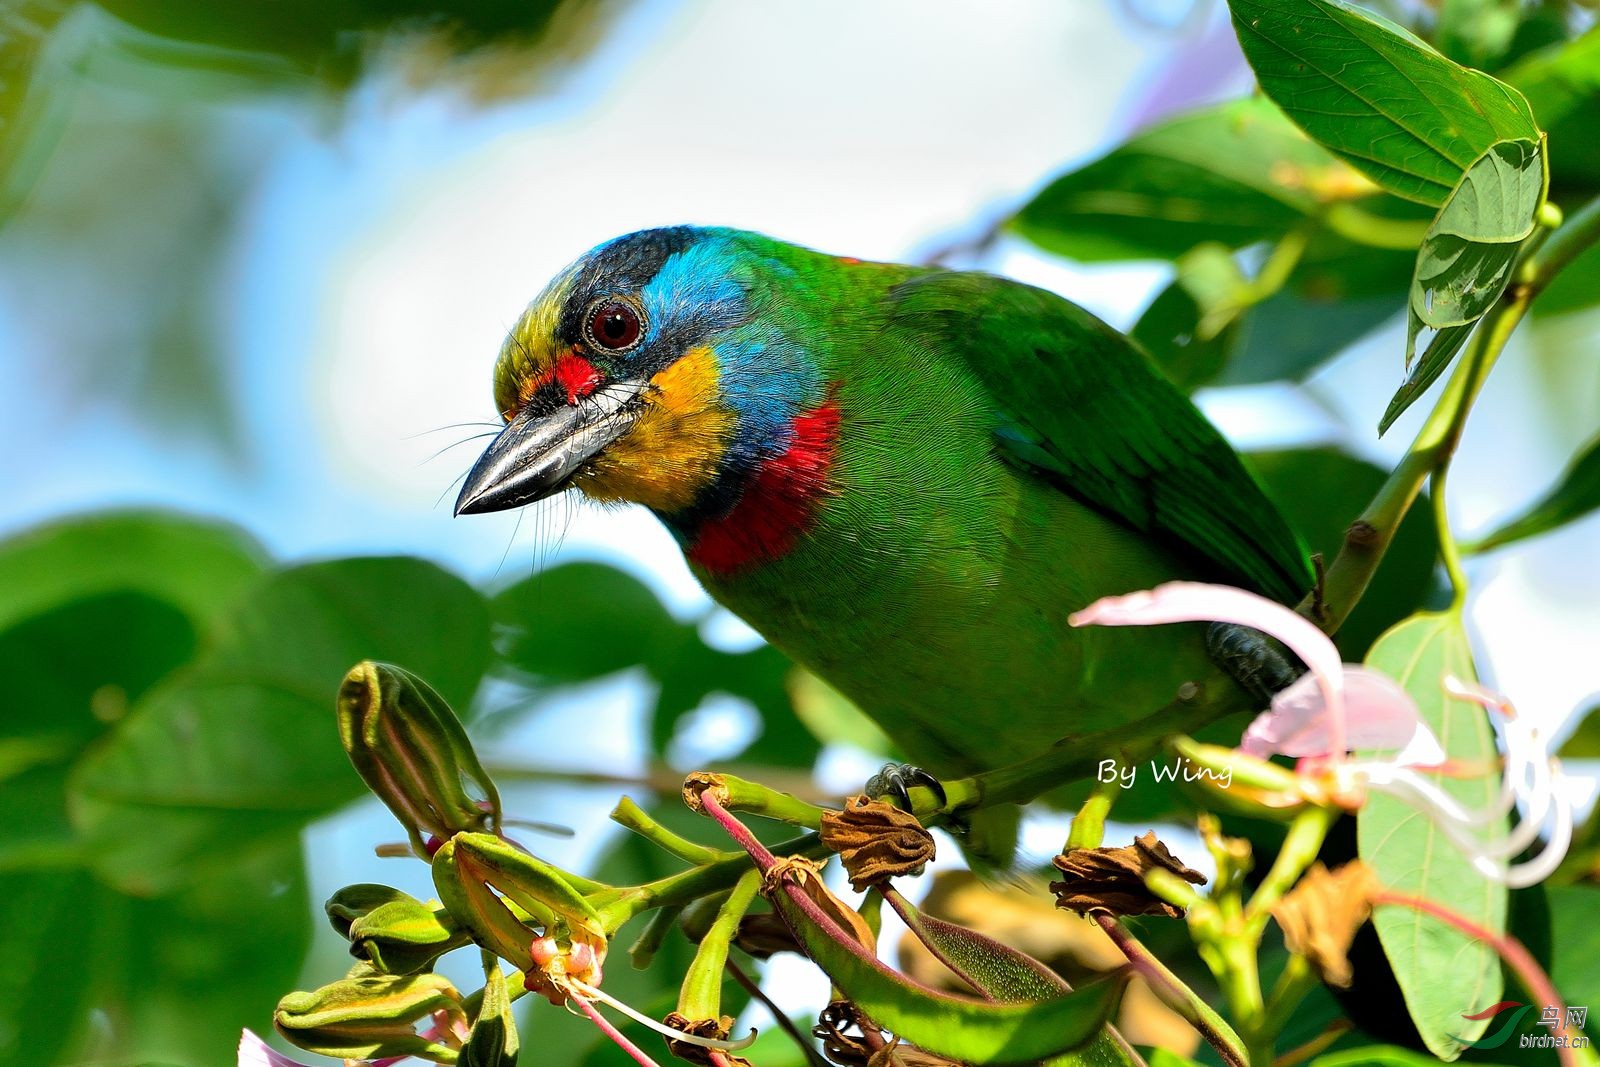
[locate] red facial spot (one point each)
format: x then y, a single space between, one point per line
577 376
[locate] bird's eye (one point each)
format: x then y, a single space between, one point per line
613 325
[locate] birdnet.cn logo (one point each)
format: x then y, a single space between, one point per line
1563 1030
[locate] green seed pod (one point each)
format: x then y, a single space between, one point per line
411 750
371 1018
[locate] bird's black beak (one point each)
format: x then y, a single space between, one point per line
540 450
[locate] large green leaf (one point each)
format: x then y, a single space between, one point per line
582 621
197 565
115 979
1372 93
1235 173
1573 497
1442 972
58 700
242 750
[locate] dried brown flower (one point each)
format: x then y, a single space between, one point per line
1321 914
876 840
1112 879
692 1053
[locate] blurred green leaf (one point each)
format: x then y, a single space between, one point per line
1380 1056
1372 93
1584 741
1574 496
1441 970
582 621
1169 329
1321 491
59 700
47 930
831 716
1477 33
1235 173
242 750
1562 85
1575 935
171 979
197 565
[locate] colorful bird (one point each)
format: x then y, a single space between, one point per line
906 478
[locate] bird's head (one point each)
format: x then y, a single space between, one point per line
662 368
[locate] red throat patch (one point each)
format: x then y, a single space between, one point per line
780 503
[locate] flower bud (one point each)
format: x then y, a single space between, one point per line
394 931
411 750
372 1018
520 908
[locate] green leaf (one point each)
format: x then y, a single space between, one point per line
1466 257
1477 33
1573 497
243 750
59 701
1562 85
972 1031
1169 329
200 567
1010 975
1381 1056
1442 348
1575 970
1235 173
1583 742
581 621
1372 93
1443 972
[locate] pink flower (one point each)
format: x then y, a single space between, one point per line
1339 706
254 1052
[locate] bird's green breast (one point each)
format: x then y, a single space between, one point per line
933 583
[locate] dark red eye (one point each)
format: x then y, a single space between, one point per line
614 325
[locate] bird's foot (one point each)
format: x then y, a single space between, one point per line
895 781
1260 665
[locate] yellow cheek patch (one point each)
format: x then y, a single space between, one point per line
674 447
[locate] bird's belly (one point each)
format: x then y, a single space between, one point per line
951 631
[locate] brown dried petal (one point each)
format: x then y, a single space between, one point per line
834 1028
764 933
807 876
1321 914
876 840
688 1051
1112 879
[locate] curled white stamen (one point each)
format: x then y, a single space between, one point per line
590 992
1530 772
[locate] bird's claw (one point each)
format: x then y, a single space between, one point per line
1260 665
896 780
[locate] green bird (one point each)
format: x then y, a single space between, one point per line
906 478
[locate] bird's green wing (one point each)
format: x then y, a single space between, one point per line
1080 405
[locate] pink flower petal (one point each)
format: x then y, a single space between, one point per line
254 1052
1203 602
1378 715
